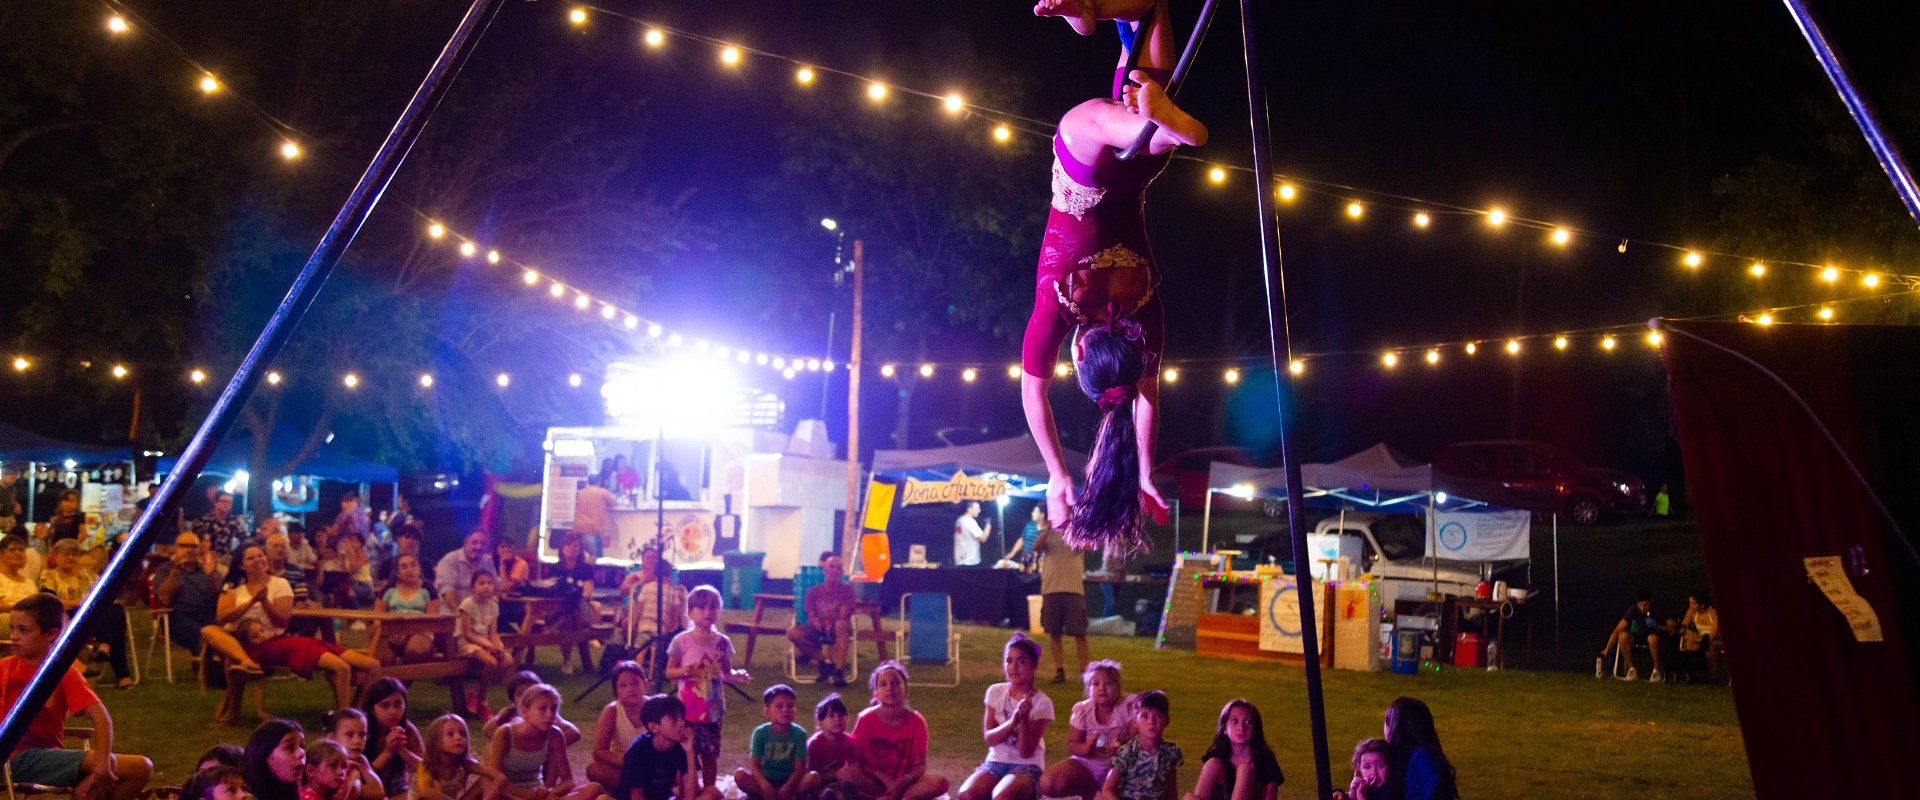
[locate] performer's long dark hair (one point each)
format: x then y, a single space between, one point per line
1110 363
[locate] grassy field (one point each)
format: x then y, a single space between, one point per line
1510 733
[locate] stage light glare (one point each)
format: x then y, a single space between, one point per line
1763 319
1217 175
1830 274
574 380
813 365
788 373
779 363
654 330
954 103
119 371
1297 367
502 380
673 340
1061 370
804 75
1171 375
1013 371
1559 342
743 356
273 378
886 370
20 364
350 380
581 301
1496 218
1390 360
577 16
1433 356
609 312
426 380
197 376
467 249
1654 338
1826 313
1287 192
1608 343
1561 236
556 289
1513 347
1472 348
1870 280
830 224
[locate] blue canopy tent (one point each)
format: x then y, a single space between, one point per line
1015 461
20 445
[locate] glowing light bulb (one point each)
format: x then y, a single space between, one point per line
502 380
609 312
1763 319
1830 274
467 249
654 38
530 277
426 380
827 365
493 256
954 103
788 373
1421 219
1354 209
779 363
208 84
1513 347
813 365
654 330
1013 371
886 370
273 378
574 380
743 357
1171 375
1496 218
1826 313
117 24
436 230
673 340
20 364
197 376
761 359
556 289
968 375
876 91
1757 270
1061 370
577 16
926 370
1232 376
1870 280
581 301
1390 360
1654 338
289 150
1562 236
1692 259
1297 367
351 381
1559 342
1217 175
804 75
1002 133
1608 343
730 56
1472 348
1433 356
119 371
1287 192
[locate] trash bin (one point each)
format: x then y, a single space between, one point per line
1406 652
740 578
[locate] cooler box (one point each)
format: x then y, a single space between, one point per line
1467 651
1406 652
740 578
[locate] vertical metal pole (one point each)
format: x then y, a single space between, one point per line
1279 338
826 378
850 540
1885 151
306 286
1556 588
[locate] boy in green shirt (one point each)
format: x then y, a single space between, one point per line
777 753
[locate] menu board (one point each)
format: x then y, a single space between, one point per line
1181 613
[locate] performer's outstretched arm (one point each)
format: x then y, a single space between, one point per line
1060 489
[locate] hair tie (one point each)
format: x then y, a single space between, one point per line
1114 396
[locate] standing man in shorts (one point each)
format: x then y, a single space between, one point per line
1063 598
94 774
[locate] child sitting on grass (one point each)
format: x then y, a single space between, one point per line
1240 765
217 782
327 775
659 763
1015 728
890 739
1372 766
619 724
777 752
520 682
830 748
1146 768
347 727
449 772
397 743
532 752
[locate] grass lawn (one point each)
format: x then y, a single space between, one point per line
1510 733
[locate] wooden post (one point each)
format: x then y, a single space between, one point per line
850 542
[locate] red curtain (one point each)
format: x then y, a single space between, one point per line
1821 714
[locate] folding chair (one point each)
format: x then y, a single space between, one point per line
14 791
927 636
161 637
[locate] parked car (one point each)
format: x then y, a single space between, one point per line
1540 477
1187 470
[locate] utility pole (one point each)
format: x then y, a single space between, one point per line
850 541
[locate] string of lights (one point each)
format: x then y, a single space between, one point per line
1359 204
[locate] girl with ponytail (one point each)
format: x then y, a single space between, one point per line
1097 272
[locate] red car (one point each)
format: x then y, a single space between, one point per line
1540 477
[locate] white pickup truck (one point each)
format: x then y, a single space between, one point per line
1392 548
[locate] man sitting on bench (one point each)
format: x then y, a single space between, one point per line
95 774
1636 625
828 632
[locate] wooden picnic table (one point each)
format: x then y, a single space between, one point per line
387 626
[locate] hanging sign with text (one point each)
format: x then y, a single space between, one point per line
958 489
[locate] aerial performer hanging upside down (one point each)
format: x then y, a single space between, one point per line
1098 284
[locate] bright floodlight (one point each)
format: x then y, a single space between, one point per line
684 395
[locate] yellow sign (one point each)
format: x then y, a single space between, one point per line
958 489
879 505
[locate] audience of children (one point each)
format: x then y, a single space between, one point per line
777 766
1015 727
328 774
619 725
1096 727
410 594
1372 772
701 660
275 760
890 745
449 770
532 752
658 765
396 744
1239 765
1146 767
831 747
347 727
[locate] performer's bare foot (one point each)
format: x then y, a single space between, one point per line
1079 14
1145 98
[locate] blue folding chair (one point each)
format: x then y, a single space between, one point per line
927 636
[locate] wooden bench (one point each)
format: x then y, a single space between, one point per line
443 664
532 630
